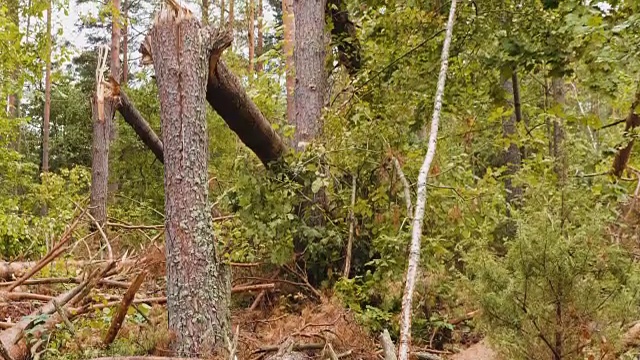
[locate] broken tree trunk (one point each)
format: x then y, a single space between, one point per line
228 98
198 285
133 117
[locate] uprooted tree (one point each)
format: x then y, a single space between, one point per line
198 286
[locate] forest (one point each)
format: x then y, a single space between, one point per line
319 179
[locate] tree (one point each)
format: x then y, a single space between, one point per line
47 96
310 74
251 40
103 110
421 198
289 39
260 44
198 285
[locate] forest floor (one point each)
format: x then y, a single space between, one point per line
291 312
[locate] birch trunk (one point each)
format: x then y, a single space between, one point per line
198 285
421 199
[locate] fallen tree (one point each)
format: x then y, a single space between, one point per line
229 99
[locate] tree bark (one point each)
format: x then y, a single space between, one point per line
421 198
310 76
133 117
198 285
260 44
344 35
47 96
229 99
100 158
289 39
624 153
251 41
114 65
125 43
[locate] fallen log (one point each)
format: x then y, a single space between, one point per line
118 316
10 269
13 338
143 358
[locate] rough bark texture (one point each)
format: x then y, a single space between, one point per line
624 153
310 76
421 198
229 99
344 35
260 44
47 97
100 159
133 117
115 41
289 39
198 285
251 39
125 43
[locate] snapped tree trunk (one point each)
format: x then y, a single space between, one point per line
133 117
310 76
229 99
198 285
100 157
289 37
421 198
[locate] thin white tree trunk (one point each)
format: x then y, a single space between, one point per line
421 199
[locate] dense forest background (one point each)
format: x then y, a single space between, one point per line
531 230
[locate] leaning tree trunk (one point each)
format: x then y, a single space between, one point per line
421 197
198 286
310 75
